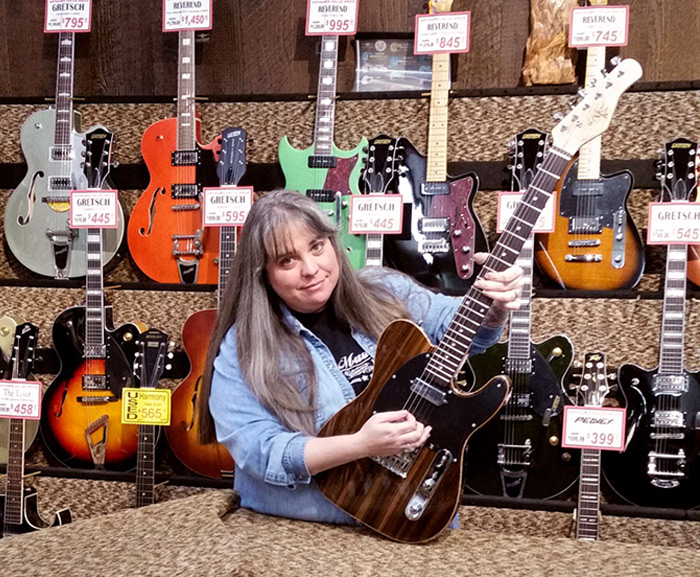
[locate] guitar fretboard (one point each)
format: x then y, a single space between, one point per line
145 466
227 252
436 163
520 320
589 495
325 97
14 488
450 354
94 302
186 121
64 92
673 320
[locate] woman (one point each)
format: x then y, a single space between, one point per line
295 341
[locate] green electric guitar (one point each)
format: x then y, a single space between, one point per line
322 171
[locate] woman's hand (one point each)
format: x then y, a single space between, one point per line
503 288
391 433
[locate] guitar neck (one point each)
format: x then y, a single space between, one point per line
94 302
325 97
589 154
374 252
452 351
588 496
519 331
673 318
145 467
436 164
227 252
64 93
186 121
14 488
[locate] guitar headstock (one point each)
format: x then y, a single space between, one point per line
437 6
591 117
231 166
593 386
380 164
98 156
528 151
150 358
23 351
679 170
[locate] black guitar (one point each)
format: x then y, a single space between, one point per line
153 345
519 454
660 465
19 503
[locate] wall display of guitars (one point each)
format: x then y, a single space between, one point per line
323 171
183 433
81 412
444 231
425 483
19 503
661 463
165 235
595 244
519 453
37 212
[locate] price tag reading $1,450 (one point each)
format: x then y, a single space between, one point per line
186 15
376 213
226 205
337 17
20 399
64 16
594 428
93 208
145 406
599 26
674 223
446 32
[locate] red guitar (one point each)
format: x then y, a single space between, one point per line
165 235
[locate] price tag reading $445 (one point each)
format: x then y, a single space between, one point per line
20 399
93 208
64 16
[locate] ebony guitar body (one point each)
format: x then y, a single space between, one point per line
637 475
69 410
438 258
518 453
421 498
31 520
595 244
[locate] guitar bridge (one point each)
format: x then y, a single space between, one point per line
518 455
666 469
424 493
583 258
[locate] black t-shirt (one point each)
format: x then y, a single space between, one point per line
353 362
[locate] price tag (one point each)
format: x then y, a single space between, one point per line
20 400
145 406
673 223
594 428
68 16
507 201
96 208
376 213
337 17
436 33
226 205
599 26
186 15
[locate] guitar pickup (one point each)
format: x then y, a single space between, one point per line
60 183
661 419
584 243
589 188
185 157
669 384
518 366
61 153
321 194
185 191
585 225
94 383
318 161
430 393
433 188
434 225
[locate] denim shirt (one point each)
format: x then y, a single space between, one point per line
271 475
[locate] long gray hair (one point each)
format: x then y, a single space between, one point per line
263 339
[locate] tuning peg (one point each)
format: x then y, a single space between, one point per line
559 115
615 60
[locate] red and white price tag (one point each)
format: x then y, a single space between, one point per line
186 15
599 26
331 17
96 208
507 201
376 213
594 428
673 223
68 16
226 205
445 32
20 400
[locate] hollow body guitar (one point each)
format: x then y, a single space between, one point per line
413 496
38 211
518 453
165 235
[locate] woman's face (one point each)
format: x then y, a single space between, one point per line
306 272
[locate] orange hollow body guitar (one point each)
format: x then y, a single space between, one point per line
166 237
